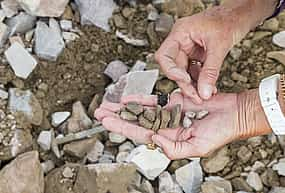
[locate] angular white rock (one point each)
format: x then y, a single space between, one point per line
279 39
132 41
47 166
21 23
151 163
277 190
69 36
254 181
21 61
187 122
201 114
122 157
116 138
96 152
48 40
190 177
44 8
96 12
138 66
116 69
10 7
58 118
140 82
66 25
167 184
190 114
280 168
44 140
126 147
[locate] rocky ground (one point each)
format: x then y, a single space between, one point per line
60 58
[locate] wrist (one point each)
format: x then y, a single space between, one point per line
251 117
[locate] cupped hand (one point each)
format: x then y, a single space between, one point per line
204 136
206 37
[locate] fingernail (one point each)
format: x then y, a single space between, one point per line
206 91
156 140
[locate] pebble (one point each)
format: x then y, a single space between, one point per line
80 149
20 60
3 94
153 15
116 69
122 157
271 24
125 115
96 12
29 35
134 108
10 7
44 140
259 35
151 163
190 177
244 154
58 118
21 23
51 34
96 152
235 53
18 39
23 102
144 122
277 55
165 117
126 147
69 36
164 24
277 190
279 39
187 122
240 184
23 174
280 167
167 184
65 25
216 184
140 82
165 86
4 33
190 114
44 8
150 114
138 66
157 122
176 112
254 181
238 77
116 138
47 166
131 40
67 172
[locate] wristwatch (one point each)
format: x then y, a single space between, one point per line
268 93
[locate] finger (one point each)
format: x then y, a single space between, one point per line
135 132
182 60
114 107
145 100
175 150
101 113
190 91
174 99
166 57
209 73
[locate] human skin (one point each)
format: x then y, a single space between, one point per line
207 37
231 117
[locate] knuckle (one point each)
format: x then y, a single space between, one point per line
158 56
212 74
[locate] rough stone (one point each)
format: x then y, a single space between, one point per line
96 12
190 177
44 8
244 154
67 172
165 86
167 184
165 117
146 186
134 108
235 53
25 105
3 94
116 69
217 161
217 185
10 7
20 60
151 163
58 118
271 24
190 114
116 138
69 36
254 181
279 39
149 114
277 55
128 116
176 116
24 174
65 25
122 157
18 39
138 66
44 140
187 122
21 23
4 33
52 35
144 122
47 166
270 178
164 24
115 91
131 40
96 152
280 167
126 147
79 120
240 184
259 35
238 77
80 148
156 124
278 190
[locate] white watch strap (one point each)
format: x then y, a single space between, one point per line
268 92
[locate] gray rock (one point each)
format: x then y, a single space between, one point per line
190 114
4 33
254 181
143 122
25 104
235 53
131 40
201 114
164 23
96 152
58 118
277 190
217 185
48 40
10 7
244 154
126 147
122 157
67 172
24 174
21 61
279 39
134 108
146 186
150 114
107 157
47 166
190 177
80 148
44 140
167 184
116 138
96 12
79 120
21 23
176 116
3 94
187 122
116 69
151 163
125 115
238 77
65 24
44 8
138 66
164 119
114 92
280 167
69 36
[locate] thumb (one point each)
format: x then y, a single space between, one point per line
174 150
209 75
